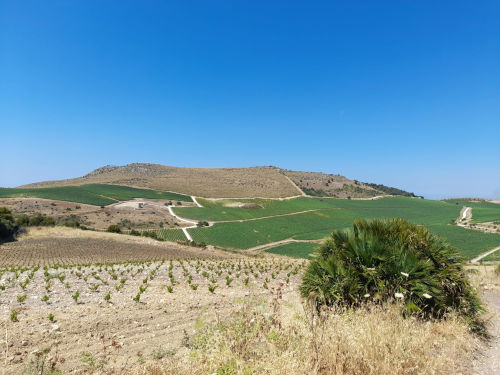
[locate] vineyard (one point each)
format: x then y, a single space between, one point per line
93 248
294 249
313 219
113 304
93 194
173 235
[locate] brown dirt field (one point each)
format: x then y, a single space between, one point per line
66 246
265 182
154 215
96 336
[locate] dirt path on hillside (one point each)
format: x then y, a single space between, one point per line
484 255
277 243
271 216
295 185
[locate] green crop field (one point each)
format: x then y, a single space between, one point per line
171 235
485 214
329 214
94 194
218 211
495 257
481 211
294 249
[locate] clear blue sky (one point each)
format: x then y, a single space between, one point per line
405 93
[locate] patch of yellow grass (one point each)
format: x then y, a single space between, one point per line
375 340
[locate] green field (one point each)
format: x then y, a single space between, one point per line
294 249
171 235
495 257
329 214
486 214
94 194
481 211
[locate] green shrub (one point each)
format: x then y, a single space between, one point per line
151 234
391 260
72 224
114 229
35 221
8 229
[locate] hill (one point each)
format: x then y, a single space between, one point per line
265 182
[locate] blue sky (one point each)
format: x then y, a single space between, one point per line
404 93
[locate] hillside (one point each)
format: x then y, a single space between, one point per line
266 182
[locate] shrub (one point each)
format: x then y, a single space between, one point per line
388 260
114 229
72 224
8 229
36 221
152 234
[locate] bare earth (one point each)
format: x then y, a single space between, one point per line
153 214
204 182
487 361
122 332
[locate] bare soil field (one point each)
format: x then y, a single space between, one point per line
83 302
66 246
265 182
97 334
152 214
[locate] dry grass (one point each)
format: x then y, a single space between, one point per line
265 182
371 341
276 334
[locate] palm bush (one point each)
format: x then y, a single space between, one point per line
390 260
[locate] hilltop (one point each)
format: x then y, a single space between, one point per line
265 182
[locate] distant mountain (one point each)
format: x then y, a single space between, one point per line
266 182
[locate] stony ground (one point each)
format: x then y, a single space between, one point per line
64 246
152 215
111 322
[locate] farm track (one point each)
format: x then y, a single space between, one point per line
484 255
271 216
295 185
185 229
277 243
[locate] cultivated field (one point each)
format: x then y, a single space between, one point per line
92 194
244 224
65 246
107 316
223 314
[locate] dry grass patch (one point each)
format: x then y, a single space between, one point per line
374 340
